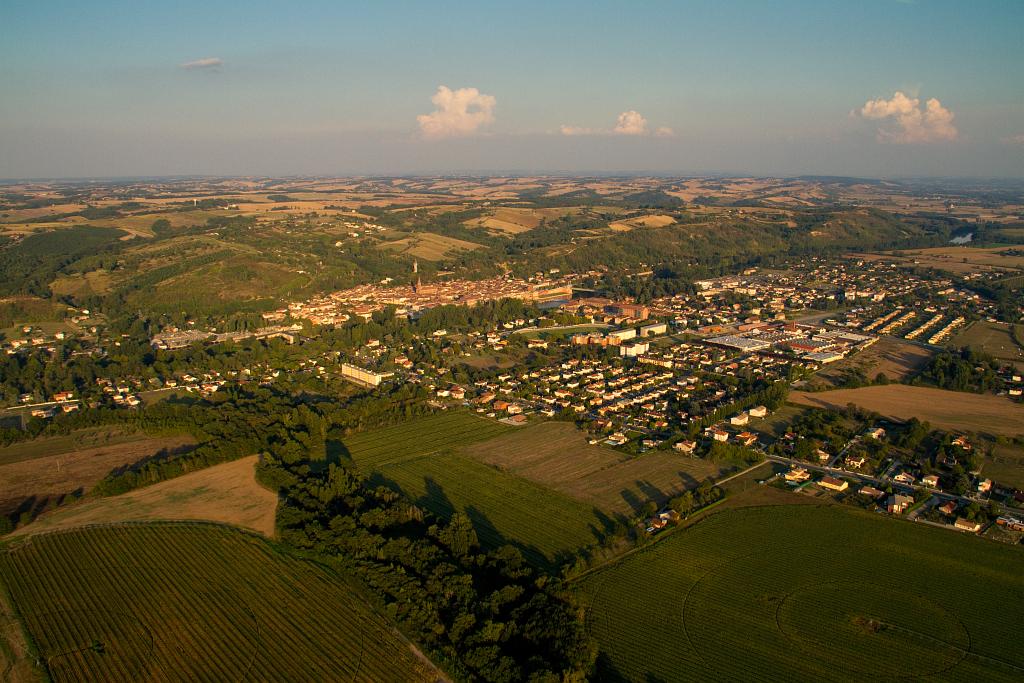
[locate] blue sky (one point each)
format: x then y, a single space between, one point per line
99 88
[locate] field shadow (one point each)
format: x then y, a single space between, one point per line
160 456
338 453
29 509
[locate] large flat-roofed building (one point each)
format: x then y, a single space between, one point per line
623 335
653 329
741 343
361 376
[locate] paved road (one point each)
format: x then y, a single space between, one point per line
879 481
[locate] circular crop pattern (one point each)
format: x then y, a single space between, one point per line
804 605
873 630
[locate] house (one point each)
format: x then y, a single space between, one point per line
871 492
741 419
876 433
833 484
758 411
823 455
962 442
501 405
931 481
747 438
1014 523
905 478
897 504
798 474
685 446
63 396
616 439
984 486
718 434
948 508
964 524
855 461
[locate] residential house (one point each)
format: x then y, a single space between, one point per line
833 484
758 411
798 474
964 524
905 477
685 446
898 503
931 481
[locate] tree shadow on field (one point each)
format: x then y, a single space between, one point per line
160 456
632 500
493 539
435 499
689 481
606 672
377 479
651 491
338 453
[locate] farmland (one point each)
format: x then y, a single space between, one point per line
227 493
995 339
557 455
1005 465
954 410
429 246
808 593
895 358
38 472
170 602
420 458
955 259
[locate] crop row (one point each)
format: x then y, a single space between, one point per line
195 602
789 593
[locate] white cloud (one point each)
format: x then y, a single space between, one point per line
913 124
459 113
630 123
577 130
204 63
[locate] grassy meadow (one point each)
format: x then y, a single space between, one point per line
787 593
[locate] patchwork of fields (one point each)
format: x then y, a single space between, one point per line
421 458
806 593
995 339
35 474
174 602
954 410
557 455
226 493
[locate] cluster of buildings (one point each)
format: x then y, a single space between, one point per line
363 300
174 338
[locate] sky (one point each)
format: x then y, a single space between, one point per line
873 88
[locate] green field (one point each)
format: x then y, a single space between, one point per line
192 602
995 339
809 593
419 458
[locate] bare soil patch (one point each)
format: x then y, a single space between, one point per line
35 475
955 410
227 493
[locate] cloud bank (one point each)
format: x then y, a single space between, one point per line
458 113
628 123
911 124
204 63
